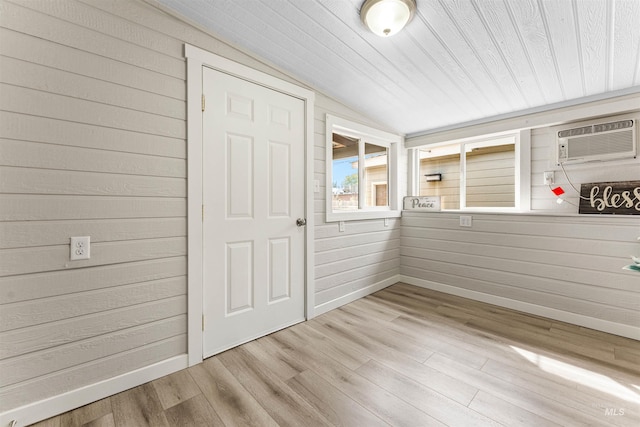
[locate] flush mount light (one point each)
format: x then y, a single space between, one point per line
387 17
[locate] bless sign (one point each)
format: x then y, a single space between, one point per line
621 198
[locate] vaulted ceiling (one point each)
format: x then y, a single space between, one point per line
457 61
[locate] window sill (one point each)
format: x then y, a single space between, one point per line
470 211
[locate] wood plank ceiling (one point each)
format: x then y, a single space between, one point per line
458 61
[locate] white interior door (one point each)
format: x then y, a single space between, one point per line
253 194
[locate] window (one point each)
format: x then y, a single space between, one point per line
361 171
480 174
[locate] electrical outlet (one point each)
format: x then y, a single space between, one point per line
465 220
549 177
341 226
386 222
80 248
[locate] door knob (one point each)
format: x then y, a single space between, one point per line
301 222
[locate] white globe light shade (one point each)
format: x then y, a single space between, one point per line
387 17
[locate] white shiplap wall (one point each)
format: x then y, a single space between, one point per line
92 135
551 262
363 258
92 142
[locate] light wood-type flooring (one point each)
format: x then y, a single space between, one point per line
404 356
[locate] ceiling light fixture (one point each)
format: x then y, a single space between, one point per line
387 17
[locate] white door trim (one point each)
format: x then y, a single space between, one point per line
196 59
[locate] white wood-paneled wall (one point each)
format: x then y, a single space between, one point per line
566 264
552 262
366 255
92 142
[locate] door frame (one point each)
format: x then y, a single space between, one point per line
196 59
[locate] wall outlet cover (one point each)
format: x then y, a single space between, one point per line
465 220
80 248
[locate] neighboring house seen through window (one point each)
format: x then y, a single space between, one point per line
361 171
480 174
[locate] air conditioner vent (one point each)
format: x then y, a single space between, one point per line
606 127
613 139
597 145
575 132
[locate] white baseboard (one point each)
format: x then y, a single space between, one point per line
538 310
352 296
73 399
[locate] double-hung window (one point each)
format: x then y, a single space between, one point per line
362 172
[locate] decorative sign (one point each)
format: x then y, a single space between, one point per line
617 198
422 203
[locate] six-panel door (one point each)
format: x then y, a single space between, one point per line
253 193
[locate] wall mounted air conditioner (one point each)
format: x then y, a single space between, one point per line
600 140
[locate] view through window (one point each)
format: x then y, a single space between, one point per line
360 174
478 174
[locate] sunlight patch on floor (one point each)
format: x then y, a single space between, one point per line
581 376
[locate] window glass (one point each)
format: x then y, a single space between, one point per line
361 171
444 160
345 173
478 174
490 176
376 175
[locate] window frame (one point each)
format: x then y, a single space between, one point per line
522 173
365 134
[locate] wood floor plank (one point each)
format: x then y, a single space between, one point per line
556 345
385 405
430 402
348 356
599 336
507 413
285 406
49 422
361 365
104 421
372 331
195 412
511 393
232 402
577 335
501 324
627 354
468 346
87 413
461 347
424 343
283 367
375 310
457 390
140 407
175 388
336 406
560 386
